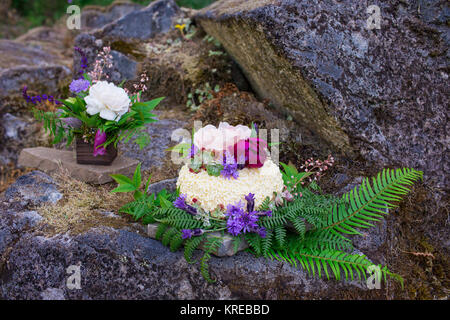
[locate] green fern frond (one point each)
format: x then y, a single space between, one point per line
266 243
368 203
264 205
324 239
280 235
299 225
160 230
176 241
190 246
212 244
255 243
168 236
341 264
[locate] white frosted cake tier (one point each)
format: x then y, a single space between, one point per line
213 191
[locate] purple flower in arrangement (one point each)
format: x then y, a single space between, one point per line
248 221
234 226
240 221
261 231
230 167
79 85
187 233
38 98
250 198
100 138
234 210
193 151
84 63
180 203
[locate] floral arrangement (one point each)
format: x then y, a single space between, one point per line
288 219
100 113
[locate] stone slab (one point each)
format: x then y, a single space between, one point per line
49 160
225 249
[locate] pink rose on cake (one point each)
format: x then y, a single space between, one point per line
220 139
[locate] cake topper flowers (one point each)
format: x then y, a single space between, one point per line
225 150
100 113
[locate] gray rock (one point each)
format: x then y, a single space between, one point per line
51 160
136 26
169 185
382 93
16 132
22 64
53 294
98 17
33 188
143 24
15 223
117 264
13 126
154 154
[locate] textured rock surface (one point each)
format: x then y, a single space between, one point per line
143 24
168 184
117 264
154 154
93 17
33 188
22 64
137 25
386 89
50 160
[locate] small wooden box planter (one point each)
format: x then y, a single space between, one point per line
226 249
85 153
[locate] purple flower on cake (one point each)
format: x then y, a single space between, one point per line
188 233
100 138
240 221
230 167
193 151
250 198
180 203
79 85
234 210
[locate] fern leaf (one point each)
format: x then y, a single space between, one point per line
266 243
365 203
160 230
324 239
211 245
341 264
280 235
176 241
190 246
255 243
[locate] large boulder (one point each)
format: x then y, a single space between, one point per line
24 64
382 93
96 17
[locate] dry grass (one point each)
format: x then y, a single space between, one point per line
82 206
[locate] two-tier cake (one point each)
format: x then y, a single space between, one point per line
226 164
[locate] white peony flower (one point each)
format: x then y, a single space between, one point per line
111 101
